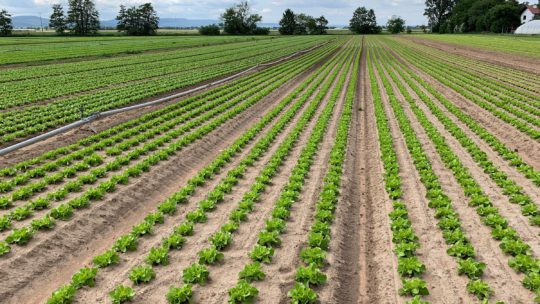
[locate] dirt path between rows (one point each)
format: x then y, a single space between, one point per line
505 282
528 64
361 239
74 241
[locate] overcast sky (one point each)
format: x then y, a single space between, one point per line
336 11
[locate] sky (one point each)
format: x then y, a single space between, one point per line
338 12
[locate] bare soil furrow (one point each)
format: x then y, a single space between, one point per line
361 268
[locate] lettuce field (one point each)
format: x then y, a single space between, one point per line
341 169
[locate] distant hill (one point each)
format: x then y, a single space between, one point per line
29 22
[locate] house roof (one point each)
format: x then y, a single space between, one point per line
533 9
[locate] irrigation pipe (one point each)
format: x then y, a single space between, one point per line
98 115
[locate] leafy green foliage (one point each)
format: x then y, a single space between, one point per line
479 288
243 292
302 294
252 272
20 236
261 254
414 287
125 243
63 295
109 257
310 275
180 295
85 277
142 274
158 256
210 256
122 294
195 274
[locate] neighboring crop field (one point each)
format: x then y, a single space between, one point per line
520 45
376 169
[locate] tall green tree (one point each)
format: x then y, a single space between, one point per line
304 24
395 25
58 19
238 20
141 21
438 12
321 26
287 24
364 21
503 18
5 23
82 17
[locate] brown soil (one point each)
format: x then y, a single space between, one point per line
528 64
362 268
170 275
74 243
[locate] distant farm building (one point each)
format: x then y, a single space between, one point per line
529 13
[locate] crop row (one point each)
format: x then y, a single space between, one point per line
65 211
448 220
162 126
168 207
23 92
511 189
314 254
507 154
54 69
116 134
269 237
514 101
404 238
480 100
510 242
166 122
32 53
517 78
36 119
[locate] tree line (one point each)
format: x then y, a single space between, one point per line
462 16
82 18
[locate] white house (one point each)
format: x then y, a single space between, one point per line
529 13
